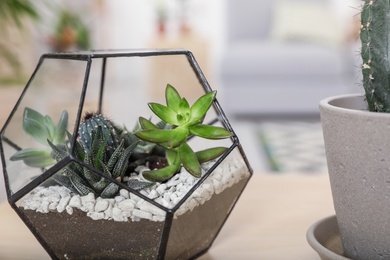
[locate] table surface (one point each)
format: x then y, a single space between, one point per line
269 221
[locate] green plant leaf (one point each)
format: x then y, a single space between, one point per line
201 106
171 156
34 115
210 132
183 114
36 130
30 152
162 174
173 137
189 160
146 124
48 123
34 157
165 113
172 98
59 151
60 129
154 135
110 190
210 154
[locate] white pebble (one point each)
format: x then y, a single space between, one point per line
69 210
32 204
63 203
161 188
153 194
108 212
96 215
44 207
88 202
124 193
75 202
151 208
126 205
117 215
101 204
142 214
119 199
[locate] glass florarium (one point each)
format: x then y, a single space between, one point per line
122 155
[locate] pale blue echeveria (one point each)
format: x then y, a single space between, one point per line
42 129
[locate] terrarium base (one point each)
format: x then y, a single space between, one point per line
76 236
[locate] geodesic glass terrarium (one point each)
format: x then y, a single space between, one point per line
80 175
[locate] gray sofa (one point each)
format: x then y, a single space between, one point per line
262 76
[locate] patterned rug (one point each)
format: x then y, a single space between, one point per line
293 146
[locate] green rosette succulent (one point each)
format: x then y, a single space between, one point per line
42 129
186 121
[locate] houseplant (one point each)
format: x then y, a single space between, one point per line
123 193
13 14
356 139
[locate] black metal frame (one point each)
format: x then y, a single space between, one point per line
89 57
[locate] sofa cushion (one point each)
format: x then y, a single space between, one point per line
270 59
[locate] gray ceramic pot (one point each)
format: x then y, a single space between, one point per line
357 144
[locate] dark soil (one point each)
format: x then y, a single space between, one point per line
77 236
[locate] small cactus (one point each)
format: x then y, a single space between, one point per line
98 145
375 38
90 124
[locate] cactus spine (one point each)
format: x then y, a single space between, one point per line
375 39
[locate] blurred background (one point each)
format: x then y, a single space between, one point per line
271 61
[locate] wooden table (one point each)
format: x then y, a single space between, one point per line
269 222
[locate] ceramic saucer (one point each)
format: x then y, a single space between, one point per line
324 237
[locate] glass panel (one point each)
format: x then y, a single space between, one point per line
132 82
204 212
55 88
75 226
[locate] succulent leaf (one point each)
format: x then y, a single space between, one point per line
210 154
201 106
110 191
210 132
139 185
172 156
91 177
64 181
165 113
33 115
146 124
172 98
123 162
60 129
34 157
48 123
189 160
59 152
29 152
114 157
162 174
36 130
173 137
80 185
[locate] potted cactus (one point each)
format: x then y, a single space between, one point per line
355 129
142 193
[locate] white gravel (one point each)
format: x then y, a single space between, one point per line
130 206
